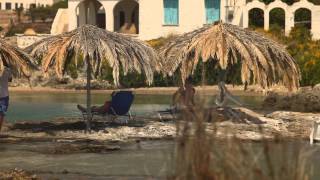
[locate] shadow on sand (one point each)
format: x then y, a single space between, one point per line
72 126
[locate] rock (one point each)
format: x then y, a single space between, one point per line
82 148
271 99
296 122
317 87
302 101
50 79
17 174
65 171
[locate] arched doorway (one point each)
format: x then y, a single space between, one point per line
302 17
256 18
91 12
126 17
277 18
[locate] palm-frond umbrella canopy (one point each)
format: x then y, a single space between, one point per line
263 61
96 45
19 62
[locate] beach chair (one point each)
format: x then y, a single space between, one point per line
120 107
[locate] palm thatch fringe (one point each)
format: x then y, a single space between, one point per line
263 61
20 62
98 45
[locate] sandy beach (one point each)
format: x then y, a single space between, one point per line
66 136
253 126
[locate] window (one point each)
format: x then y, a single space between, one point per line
16 6
32 6
212 11
171 12
0 6
8 6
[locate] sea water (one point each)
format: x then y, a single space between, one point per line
45 106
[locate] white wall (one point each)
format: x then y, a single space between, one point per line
192 15
151 17
60 23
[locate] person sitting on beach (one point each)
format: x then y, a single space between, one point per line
98 109
184 96
4 92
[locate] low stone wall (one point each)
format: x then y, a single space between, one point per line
24 41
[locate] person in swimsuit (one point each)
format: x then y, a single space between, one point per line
5 78
98 109
184 96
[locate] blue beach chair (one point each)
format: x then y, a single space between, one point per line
120 106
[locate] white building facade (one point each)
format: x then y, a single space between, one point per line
26 4
149 19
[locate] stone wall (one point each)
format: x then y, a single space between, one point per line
25 40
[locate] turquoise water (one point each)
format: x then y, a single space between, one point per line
44 106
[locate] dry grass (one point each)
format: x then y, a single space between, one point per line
17 174
159 42
201 155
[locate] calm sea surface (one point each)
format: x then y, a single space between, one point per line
42 106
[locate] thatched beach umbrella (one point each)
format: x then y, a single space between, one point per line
96 45
19 62
263 61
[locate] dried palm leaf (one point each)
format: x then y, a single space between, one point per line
263 61
98 45
20 62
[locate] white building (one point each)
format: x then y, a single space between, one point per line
26 4
149 19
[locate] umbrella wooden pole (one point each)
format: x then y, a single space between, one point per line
89 113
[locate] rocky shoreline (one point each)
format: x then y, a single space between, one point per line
17 174
252 126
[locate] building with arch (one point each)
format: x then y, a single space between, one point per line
290 14
149 19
